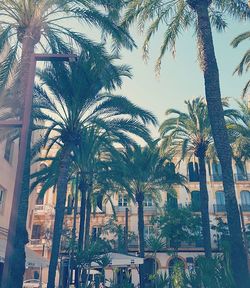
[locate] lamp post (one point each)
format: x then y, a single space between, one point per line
126 231
41 266
45 243
72 251
25 125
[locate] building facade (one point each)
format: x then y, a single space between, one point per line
43 217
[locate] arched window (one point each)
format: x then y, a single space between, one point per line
220 201
216 170
40 199
122 200
195 201
43 166
36 275
245 200
123 275
173 263
150 268
99 199
193 172
241 173
172 201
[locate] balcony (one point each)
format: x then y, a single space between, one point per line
121 209
35 242
195 244
219 208
39 207
43 208
216 177
245 207
242 177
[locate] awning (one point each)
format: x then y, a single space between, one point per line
118 259
32 258
121 260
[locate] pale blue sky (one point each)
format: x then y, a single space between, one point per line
181 78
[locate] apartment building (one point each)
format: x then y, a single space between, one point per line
8 166
43 217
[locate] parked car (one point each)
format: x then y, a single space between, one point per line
33 283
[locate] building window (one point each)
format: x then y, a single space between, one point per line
36 232
2 198
217 173
148 231
220 201
99 199
195 201
122 200
172 201
9 150
148 201
193 171
245 200
241 174
172 263
96 233
40 199
150 268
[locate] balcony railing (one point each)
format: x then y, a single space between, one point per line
43 208
245 207
149 208
39 207
121 209
237 177
242 177
219 208
216 177
35 242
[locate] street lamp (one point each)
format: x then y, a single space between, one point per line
45 243
24 124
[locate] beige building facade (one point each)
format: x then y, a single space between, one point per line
43 217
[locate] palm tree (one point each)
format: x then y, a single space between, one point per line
143 174
189 135
25 25
177 16
245 61
155 243
71 103
239 132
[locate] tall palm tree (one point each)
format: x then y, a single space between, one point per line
25 25
189 135
143 174
245 61
71 102
176 17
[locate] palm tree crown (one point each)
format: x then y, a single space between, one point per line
245 61
44 22
187 133
176 17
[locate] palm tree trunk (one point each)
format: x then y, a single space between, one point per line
83 190
88 215
215 110
17 265
87 229
139 200
62 183
204 207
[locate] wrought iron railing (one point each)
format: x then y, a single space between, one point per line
219 208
